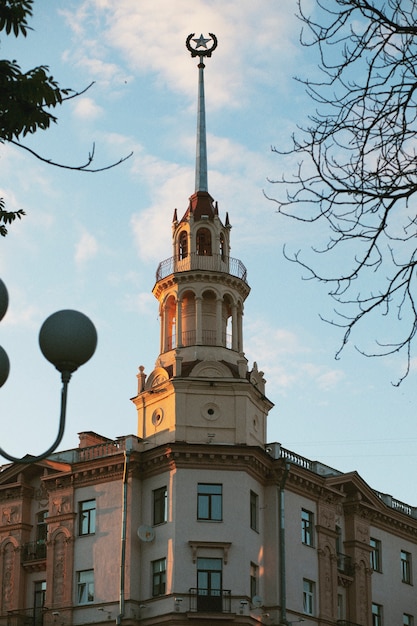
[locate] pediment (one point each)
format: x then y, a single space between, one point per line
211 369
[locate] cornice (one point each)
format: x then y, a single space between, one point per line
179 279
251 460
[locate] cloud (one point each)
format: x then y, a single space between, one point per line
86 109
86 248
149 36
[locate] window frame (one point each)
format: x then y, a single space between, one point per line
85 588
159 574
377 614
309 600
160 505
254 510
307 528
210 503
254 580
408 619
406 569
375 556
87 518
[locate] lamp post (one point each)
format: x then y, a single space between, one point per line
67 339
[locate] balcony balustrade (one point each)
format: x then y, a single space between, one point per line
214 263
210 600
34 551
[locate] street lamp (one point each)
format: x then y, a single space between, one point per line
67 339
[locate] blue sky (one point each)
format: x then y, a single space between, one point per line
92 242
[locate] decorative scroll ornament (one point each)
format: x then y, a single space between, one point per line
201 42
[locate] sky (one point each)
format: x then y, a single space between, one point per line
92 242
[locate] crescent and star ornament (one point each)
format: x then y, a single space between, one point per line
201 42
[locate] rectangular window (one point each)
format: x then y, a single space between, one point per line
209 502
376 614
308 597
159 574
87 517
406 567
85 586
408 620
307 527
254 508
254 572
160 505
375 555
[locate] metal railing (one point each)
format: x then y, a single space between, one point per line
210 600
34 551
193 261
25 617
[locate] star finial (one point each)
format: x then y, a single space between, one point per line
201 42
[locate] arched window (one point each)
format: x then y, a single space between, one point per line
183 245
204 242
222 247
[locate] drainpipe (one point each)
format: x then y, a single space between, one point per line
282 577
128 450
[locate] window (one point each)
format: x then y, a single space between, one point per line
85 586
254 569
209 584
376 614
39 601
159 573
408 620
41 527
160 505
307 527
406 567
254 508
203 242
375 555
87 520
183 245
209 502
308 597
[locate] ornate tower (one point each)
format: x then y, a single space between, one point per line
201 390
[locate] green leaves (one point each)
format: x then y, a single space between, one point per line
24 100
7 217
13 16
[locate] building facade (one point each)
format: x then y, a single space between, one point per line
196 518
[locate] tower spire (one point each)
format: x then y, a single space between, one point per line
201 50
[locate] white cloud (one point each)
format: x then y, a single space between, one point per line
150 36
86 109
86 248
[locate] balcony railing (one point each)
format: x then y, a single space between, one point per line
214 263
210 600
25 617
34 551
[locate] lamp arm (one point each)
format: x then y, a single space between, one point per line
33 459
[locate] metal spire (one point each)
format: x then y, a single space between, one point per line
201 183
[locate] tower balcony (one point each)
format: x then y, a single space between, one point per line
194 261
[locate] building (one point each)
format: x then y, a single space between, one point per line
197 519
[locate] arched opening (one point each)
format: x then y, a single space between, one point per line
222 247
227 322
203 242
188 319
170 324
209 318
183 245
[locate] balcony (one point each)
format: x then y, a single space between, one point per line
214 263
345 565
210 600
34 551
25 617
